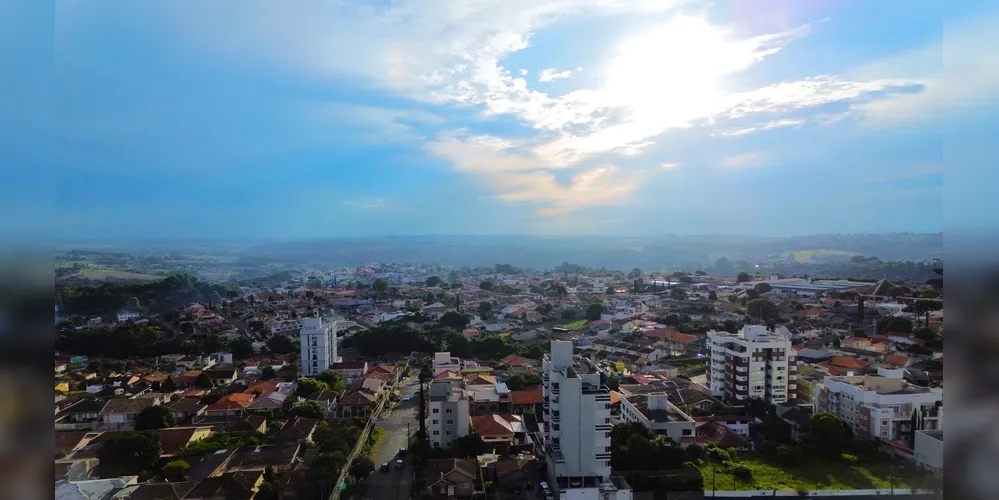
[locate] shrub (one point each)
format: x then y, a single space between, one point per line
742 473
176 469
848 458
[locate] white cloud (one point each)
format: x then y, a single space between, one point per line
372 204
675 72
550 75
745 160
669 166
767 126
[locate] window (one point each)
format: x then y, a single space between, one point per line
449 433
686 432
436 410
436 421
449 410
450 422
437 433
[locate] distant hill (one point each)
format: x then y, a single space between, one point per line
652 252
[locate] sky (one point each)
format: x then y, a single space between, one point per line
324 118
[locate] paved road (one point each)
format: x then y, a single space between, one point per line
395 484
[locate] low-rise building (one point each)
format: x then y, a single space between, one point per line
447 414
654 411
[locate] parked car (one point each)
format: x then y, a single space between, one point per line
402 452
399 464
385 467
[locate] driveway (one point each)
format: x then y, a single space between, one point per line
397 422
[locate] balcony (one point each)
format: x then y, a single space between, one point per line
741 379
741 387
741 369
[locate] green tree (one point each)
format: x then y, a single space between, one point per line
308 409
593 311
168 385
455 320
133 305
361 468
282 344
609 291
267 372
309 386
203 381
762 309
828 434
485 309
894 324
678 294
129 453
712 296
176 470
380 286
762 288
333 381
613 382
433 281
241 348
743 277
486 285
154 417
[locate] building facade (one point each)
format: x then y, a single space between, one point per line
754 363
576 428
881 405
319 346
447 413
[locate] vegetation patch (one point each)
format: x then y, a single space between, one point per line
576 325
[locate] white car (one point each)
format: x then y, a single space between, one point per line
407 398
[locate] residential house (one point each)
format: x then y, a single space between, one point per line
512 476
119 414
222 374
928 449
658 414
350 370
185 410
327 398
251 423
280 457
525 401
235 404
240 485
186 379
502 430
515 364
68 442
863 344
158 491
844 365
489 399
80 415
92 488
296 430
451 477
361 398
173 440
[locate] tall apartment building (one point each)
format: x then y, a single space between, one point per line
576 428
447 413
881 405
319 346
754 363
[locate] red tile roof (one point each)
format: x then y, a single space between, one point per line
527 397
493 425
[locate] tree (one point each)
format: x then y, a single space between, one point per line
168 385
203 381
361 468
485 309
133 305
470 445
743 277
380 286
282 344
454 320
672 320
154 417
486 285
730 326
308 409
333 381
613 382
176 470
267 372
433 281
593 311
712 296
309 386
520 382
241 348
762 309
678 294
609 291
763 288
828 434
894 324
129 453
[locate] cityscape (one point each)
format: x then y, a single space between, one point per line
387 381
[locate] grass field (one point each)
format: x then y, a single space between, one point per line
578 324
815 474
806 256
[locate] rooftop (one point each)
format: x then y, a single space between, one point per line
656 408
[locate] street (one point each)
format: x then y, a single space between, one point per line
394 484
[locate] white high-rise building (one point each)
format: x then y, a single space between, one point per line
319 346
577 427
754 363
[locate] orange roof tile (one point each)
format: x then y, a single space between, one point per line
527 396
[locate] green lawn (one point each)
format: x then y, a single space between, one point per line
579 324
816 474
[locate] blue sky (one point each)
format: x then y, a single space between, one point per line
304 119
